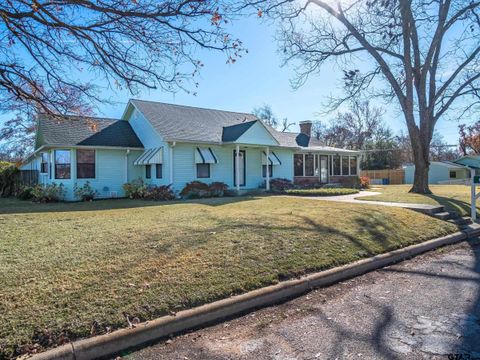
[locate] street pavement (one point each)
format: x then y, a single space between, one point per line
423 308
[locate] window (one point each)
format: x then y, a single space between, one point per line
309 162
62 164
85 164
270 171
336 165
345 165
203 171
148 171
298 164
453 174
158 171
44 163
353 165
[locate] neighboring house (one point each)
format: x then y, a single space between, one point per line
172 144
441 172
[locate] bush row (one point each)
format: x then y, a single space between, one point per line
321 192
138 189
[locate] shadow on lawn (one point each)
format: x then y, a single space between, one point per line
15 206
461 207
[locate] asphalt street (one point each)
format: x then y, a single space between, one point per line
424 308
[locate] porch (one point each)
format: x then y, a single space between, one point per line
317 167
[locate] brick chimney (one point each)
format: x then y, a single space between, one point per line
306 127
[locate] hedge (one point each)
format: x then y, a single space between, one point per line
321 192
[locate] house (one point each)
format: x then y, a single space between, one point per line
172 144
442 172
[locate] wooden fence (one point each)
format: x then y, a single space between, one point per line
395 177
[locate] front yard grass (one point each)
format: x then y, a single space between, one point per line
75 270
453 197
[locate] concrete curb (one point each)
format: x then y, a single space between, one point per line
113 343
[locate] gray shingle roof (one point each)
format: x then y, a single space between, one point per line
78 131
177 122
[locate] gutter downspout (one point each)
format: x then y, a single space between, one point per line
126 165
170 161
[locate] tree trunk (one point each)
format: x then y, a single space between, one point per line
421 156
420 180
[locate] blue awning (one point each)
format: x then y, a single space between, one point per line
272 159
150 156
205 156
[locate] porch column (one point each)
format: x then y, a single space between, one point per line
359 158
267 182
237 167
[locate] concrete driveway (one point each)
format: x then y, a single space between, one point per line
423 308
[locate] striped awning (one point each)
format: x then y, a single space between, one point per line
272 157
205 156
150 156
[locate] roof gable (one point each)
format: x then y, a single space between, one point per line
257 133
232 133
186 123
81 131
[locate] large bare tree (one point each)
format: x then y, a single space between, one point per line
53 49
424 54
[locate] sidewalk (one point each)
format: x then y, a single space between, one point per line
354 199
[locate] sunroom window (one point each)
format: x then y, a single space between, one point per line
309 163
353 165
345 165
336 165
298 164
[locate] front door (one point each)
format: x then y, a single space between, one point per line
241 162
323 169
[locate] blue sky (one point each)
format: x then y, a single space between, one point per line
258 79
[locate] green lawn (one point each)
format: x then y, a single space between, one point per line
72 270
453 197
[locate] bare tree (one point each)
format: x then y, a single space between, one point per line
353 128
47 45
285 125
422 54
265 113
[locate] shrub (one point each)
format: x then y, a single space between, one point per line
309 183
26 193
85 192
217 189
195 190
198 189
280 185
321 192
48 193
8 174
364 182
135 189
352 182
163 192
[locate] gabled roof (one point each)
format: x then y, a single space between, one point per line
82 131
178 122
194 124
